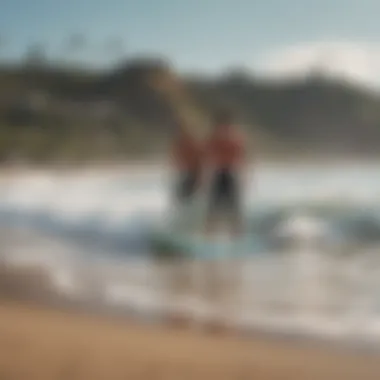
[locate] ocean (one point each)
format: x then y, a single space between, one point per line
315 270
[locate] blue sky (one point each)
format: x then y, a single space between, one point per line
195 34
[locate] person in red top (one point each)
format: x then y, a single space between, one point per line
225 158
187 158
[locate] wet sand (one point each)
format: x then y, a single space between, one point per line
37 342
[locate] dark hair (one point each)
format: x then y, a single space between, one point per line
223 116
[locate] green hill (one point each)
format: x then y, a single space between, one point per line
51 113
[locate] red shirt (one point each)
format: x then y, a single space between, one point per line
226 149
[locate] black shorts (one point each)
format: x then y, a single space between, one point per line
187 186
225 193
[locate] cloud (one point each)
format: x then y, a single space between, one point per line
356 62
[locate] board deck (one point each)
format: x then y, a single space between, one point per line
196 246
181 234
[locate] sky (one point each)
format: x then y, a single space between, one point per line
270 37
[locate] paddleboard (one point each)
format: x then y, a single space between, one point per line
195 246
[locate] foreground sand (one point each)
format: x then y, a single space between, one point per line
40 343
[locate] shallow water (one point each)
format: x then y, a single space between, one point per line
316 269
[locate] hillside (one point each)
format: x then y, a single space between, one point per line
51 113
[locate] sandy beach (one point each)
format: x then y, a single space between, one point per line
37 342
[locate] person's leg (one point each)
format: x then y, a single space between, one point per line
214 290
185 187
184 194
230 275
212 211
209 269
233 205
177 272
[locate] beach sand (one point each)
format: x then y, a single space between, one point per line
37 342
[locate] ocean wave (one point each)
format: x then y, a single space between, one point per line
121 211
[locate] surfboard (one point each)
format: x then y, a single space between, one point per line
181 236
201 247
